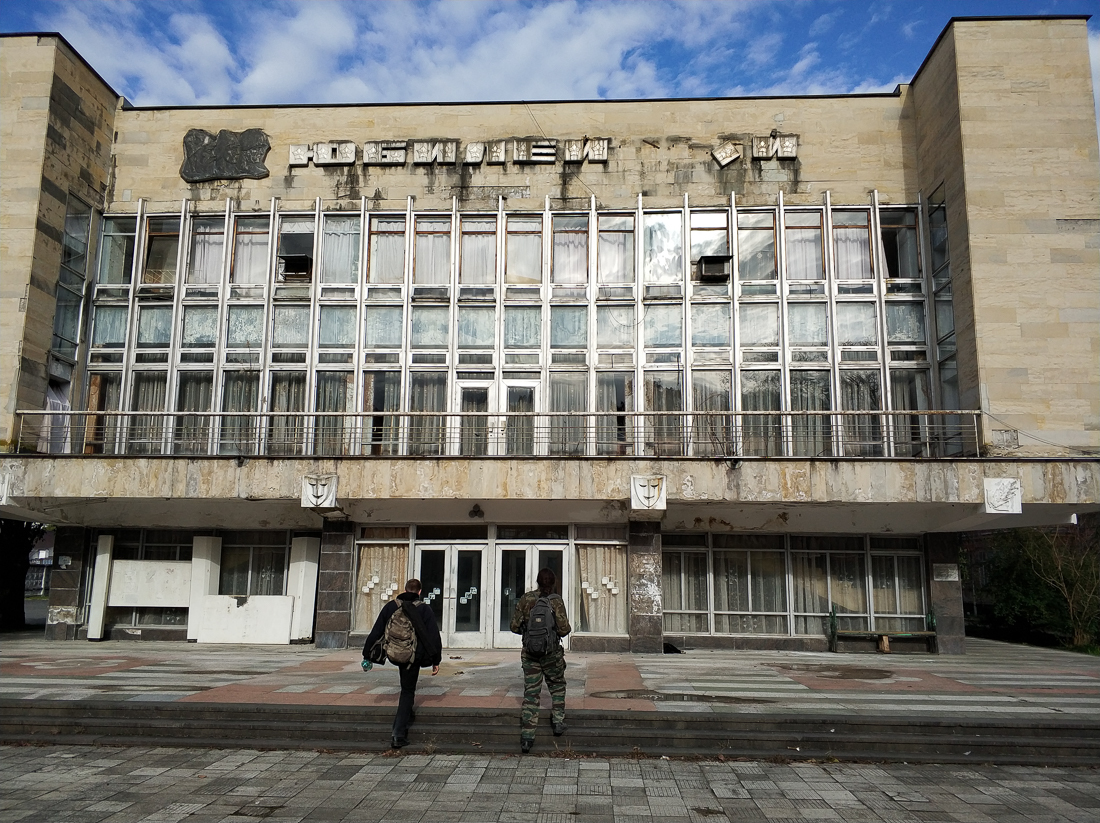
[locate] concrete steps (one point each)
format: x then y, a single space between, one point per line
610 733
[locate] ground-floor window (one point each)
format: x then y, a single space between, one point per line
601 586
147 617
254 563
790 584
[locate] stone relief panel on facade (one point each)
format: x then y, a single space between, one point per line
593 150
1003 495
335 153
385 153
319 491
727 153
434 151
227 155
648 494
783 146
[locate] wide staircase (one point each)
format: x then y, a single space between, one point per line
756 736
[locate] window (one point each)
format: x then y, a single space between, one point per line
710 324
286 429
337 327
710 251
109 328
750 584
200 327
756 246
430 327
433 251
615 431
387 250
154 327
664 325
568 327
570 251
856 324
759 325
253 563
522 327
828 573
860 390
427 393
684 592
250 250
192 432
523 255
382 394
601 592
148 395
116 257
900 248
811 434
905 323
712 431
615 327
663 248
803 246
382 327
478 264
295 249
340 248
568 393
663 393
290 329
476 327
615 248
807 324
240 394
162 244
852 244
207 245
334 395
897 593
761 391
70 281
245 327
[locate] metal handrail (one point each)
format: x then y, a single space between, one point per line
734 434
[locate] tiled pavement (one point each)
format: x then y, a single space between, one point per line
73 784
992 679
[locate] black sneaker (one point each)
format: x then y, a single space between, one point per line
526 744
559 728
399 742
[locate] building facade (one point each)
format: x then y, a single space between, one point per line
733 368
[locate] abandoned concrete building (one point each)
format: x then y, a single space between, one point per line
739 370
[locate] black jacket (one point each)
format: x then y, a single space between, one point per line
429 649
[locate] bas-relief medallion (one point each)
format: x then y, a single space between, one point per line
227 155
319 491
648 496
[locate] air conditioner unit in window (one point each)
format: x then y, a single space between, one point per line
713 269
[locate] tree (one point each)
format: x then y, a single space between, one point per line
1068 560
17 538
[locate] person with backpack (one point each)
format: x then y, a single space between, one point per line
540 617
406 634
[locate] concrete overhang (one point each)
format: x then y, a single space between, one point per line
852 495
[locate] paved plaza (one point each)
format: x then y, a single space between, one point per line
76 784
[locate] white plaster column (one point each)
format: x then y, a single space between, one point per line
206 562
101 585
301 584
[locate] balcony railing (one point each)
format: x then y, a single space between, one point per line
920 434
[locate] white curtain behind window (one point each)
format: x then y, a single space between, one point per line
207 244
250 251
193 430
286 431
387 250
382 572
146 431
433 252
804 254
602 594
615 432
331 435
479 251
811 435
664 393
568 393
760 391
427 393
241 394
853 253
341 249
570 250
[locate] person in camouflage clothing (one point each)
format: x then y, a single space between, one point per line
550 666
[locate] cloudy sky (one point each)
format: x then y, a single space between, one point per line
189 52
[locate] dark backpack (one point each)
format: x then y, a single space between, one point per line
541 636
399 640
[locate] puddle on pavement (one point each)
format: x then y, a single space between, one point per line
674 697
836 672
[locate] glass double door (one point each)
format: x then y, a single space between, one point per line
496 420
473 591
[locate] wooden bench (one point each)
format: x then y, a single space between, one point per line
883 637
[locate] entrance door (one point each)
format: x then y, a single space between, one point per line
518 566
453 581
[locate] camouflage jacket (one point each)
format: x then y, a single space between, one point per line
523 609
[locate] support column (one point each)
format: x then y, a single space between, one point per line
101 586
334 580
643 569
945 591
66 611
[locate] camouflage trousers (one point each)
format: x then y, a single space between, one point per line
552 669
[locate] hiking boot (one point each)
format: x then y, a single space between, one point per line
526 744
399 742
559 728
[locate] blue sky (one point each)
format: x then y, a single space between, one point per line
188 52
